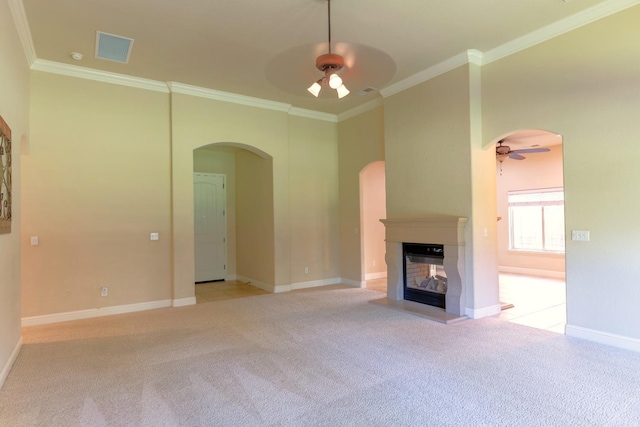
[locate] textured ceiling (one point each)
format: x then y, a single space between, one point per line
267 49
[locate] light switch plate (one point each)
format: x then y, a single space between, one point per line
580 235
154 236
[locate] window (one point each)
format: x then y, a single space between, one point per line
536 220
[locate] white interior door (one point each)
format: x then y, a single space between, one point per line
210 228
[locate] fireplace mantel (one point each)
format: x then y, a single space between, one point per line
444 230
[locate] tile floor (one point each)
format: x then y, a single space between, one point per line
539 302
379 285
216 291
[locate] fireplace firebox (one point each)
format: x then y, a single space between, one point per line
425 279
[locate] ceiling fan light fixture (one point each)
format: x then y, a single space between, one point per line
335 81
314 89
342 91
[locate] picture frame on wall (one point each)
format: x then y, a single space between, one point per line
5 177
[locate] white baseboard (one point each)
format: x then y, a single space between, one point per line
301 285
378 275
315 283
532 272
261 285
95 312
181 302
354 283
280 288
606 338
231 277
12 359
483 312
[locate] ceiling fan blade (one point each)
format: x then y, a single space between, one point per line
531 150
516 156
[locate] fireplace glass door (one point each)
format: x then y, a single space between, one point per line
425 280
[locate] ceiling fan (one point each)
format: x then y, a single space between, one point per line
329 63
504 151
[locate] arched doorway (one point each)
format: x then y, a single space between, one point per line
372 210
531 232
248 214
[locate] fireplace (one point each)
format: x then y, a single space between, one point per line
437 251
425 279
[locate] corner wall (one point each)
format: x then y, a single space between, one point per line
255 219
313 174
361 142
436 165
14 109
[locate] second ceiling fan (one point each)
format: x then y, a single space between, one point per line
504 151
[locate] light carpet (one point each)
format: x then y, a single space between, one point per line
318 357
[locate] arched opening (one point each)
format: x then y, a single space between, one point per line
372 210
531 231
240 252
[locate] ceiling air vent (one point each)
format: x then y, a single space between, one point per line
366 91
112 47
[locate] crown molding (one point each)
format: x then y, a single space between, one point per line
227 97
360 109
475 57
428 74
24 32
312 114
471 56
565 25
97 75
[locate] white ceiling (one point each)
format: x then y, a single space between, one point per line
267 49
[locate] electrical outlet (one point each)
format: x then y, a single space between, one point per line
306 270
154 236
104 291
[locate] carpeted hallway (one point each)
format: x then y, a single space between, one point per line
317 357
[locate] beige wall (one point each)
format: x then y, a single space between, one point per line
218 159
313 176
427 148
14 98
585 86
373 199
96 183
481 230
254 218
537 171
361 141
109 164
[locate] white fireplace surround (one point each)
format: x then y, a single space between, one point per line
443 230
